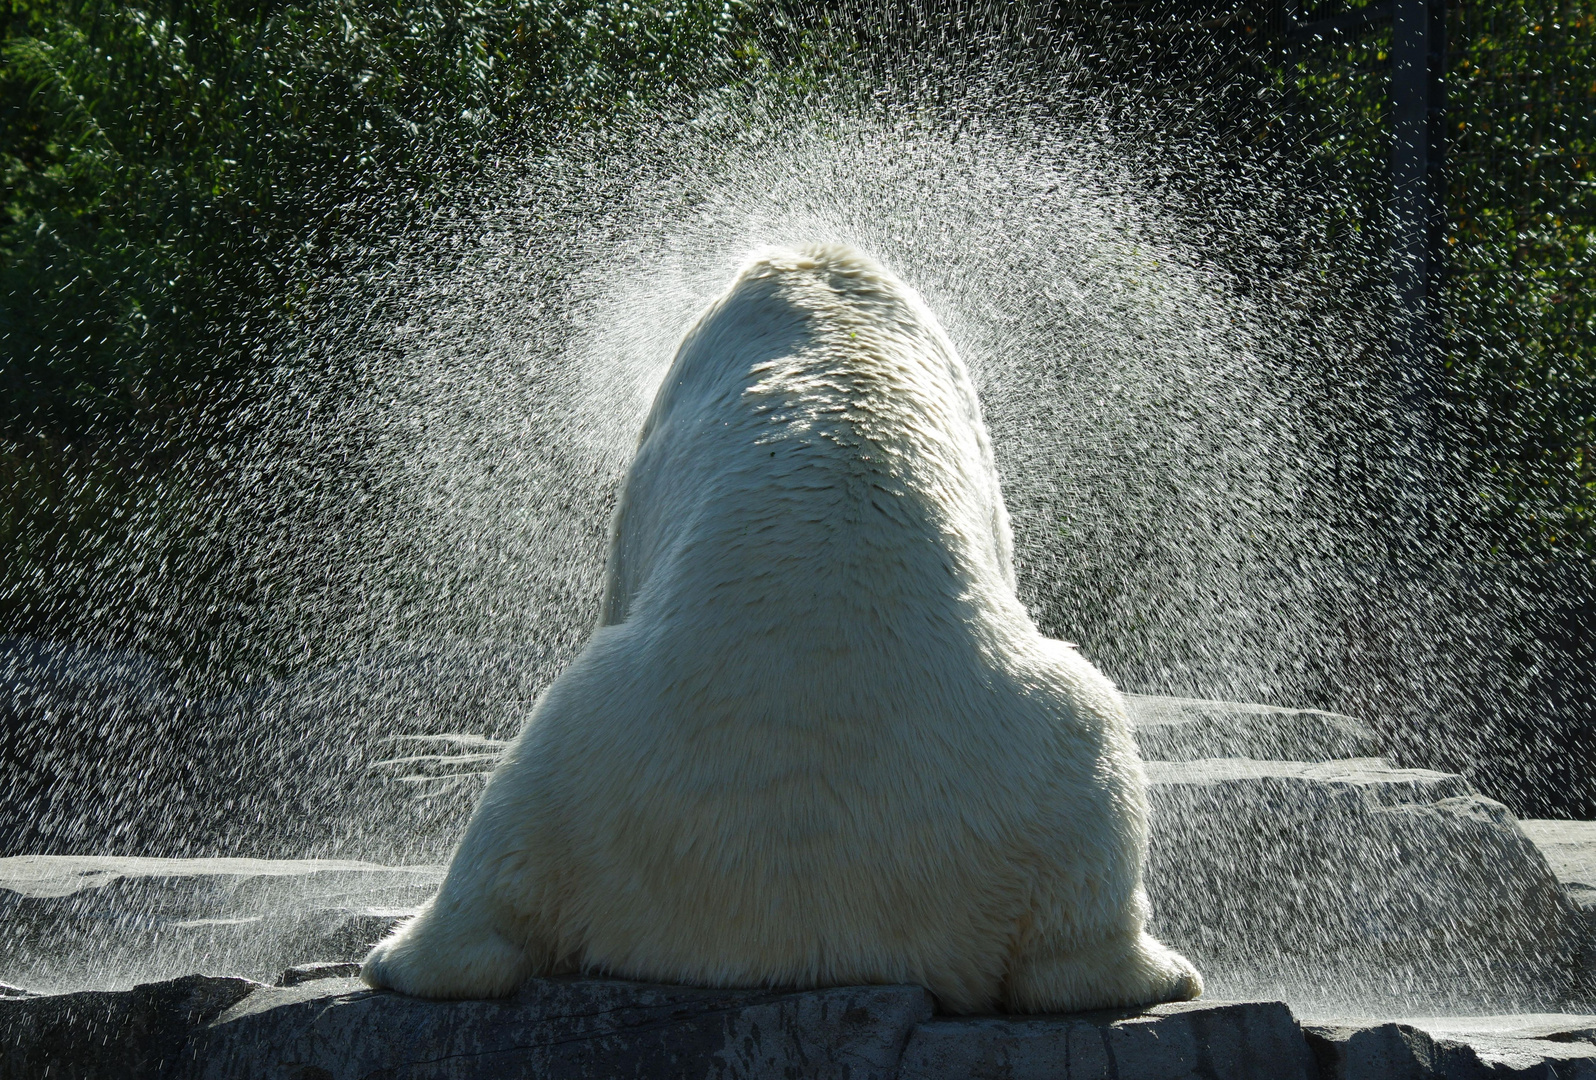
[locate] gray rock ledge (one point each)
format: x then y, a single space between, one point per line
1185 729
1353 885
1528 1046
205 1028
108 922
1570 849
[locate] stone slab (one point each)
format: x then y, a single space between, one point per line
1527 1046
1570 850
111 1035
560 1028
40 877
1551 1027
1185 729
1199 1040
321 969
199 1028
1351 885
103 922
1373 779
337 1029
1339 886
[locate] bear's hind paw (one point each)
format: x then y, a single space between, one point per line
1132 972
425 960
1181 980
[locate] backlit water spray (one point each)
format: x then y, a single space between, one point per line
406 545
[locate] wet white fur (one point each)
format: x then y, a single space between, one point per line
815 739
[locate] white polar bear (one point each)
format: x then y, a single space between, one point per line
815 739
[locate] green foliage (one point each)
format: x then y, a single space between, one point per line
1521 293
173 172
176 175
1340 91
1518 299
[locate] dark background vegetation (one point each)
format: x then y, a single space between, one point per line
176 176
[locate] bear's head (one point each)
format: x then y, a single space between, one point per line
816 428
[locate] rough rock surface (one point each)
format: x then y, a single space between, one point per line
1331 879
1532 1046
560 1028
199 1028
1346 882
337 1029
1184 729
1570 850
107 1034
321 969
1342 885
70 922
1232 1041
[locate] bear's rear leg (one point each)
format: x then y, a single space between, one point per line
1125 971
448 951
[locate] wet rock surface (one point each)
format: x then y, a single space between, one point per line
69 922
101 1035
1532 1047
333 1029
1288 859
1192 1039
324 969
1184 729
200 1028
1336 881
1339 884
1570 850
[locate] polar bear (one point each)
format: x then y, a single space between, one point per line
815 739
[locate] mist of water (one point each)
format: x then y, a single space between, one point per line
404 538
